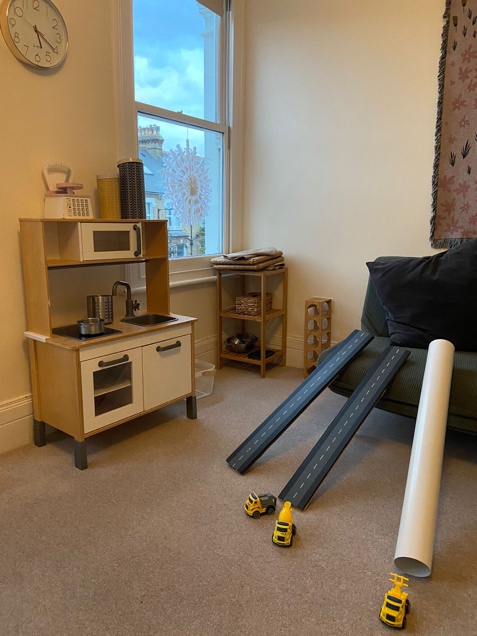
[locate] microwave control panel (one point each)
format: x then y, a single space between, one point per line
68 207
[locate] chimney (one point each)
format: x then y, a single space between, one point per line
150 139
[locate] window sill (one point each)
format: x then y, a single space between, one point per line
193 281
186 278
192 276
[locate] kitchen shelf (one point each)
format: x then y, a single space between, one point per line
245 278
63 263
110 389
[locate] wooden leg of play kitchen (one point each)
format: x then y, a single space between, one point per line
191 407
39 426
80 454
39 433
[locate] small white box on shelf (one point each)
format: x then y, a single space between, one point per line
204 378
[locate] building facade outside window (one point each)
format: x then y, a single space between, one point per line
180 64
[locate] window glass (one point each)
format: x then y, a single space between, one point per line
175 56
183 175
178 93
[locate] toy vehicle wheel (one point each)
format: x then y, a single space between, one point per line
256 514
407 607
293 529
270 510
404 621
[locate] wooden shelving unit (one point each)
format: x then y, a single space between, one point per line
246 279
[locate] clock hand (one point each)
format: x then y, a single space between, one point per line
51 47
38 36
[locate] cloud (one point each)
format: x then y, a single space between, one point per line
178 85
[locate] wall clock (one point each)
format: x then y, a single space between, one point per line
35 32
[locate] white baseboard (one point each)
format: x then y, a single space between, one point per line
295 348
206 349
16 423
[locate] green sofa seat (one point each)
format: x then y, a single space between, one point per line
402 396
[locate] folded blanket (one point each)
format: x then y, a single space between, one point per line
245 254
252 260
270 263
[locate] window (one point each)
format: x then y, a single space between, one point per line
180 57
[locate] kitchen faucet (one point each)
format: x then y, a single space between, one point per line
131 305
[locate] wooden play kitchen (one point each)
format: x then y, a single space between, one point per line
83 385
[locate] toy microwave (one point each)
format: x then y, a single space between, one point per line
102 241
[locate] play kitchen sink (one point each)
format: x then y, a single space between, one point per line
149 319
131 306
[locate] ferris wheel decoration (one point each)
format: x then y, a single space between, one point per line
187 184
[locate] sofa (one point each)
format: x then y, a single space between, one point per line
381 318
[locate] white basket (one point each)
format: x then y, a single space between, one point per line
204 378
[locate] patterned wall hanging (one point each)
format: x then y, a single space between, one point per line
454 183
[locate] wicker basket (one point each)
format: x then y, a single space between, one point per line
251 304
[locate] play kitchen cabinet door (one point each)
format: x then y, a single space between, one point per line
166 371
121 383
112 388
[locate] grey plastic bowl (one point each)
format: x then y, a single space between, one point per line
242 342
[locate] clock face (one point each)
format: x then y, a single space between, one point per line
35 32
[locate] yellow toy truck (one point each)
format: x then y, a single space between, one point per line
285 529
396 605
257 505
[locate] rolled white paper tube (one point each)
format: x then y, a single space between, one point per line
415 543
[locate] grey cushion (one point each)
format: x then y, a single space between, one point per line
430 297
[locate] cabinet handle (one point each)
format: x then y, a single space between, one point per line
176 345
137 229
109 363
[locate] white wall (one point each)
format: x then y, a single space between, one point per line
67 114
340 108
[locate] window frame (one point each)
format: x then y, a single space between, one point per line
183 270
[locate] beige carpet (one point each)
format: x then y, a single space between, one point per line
152 539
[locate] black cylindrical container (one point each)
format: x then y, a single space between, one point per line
131 188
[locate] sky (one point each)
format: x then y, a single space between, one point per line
169 62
